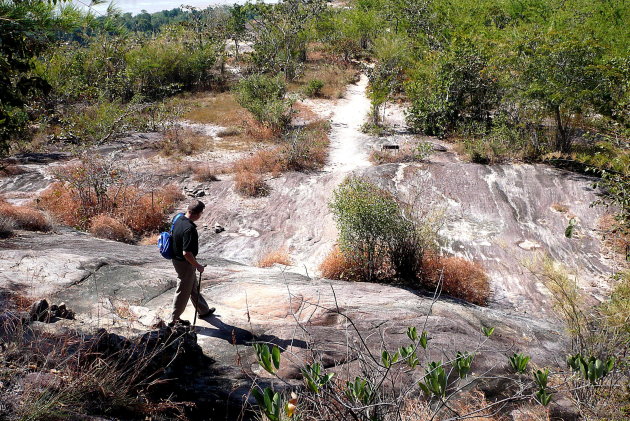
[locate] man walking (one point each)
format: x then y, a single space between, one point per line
185 249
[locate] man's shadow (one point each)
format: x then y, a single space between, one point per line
238 336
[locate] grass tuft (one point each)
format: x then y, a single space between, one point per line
280 256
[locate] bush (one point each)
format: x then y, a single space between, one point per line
313 88
336 266
264 97
368 218
104 226
204 173
459 278
178 141
306 149
250 184
97 186
280 256
25 217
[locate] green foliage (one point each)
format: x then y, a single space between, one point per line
264 97
616 188
463 363
434 381
368 218
452 88
314 378
519 362
27 29
269 402
592 369
388 359
359 390
280 32
313 88
268 359
487 331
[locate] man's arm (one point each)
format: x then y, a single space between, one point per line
190 258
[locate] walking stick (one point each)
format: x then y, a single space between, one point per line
197 303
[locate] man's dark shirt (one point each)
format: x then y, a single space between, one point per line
185 238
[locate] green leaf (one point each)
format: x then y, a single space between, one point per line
276 357
424 339
488 331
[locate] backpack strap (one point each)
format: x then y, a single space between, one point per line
179 215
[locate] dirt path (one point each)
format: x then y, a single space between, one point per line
348 145
295 215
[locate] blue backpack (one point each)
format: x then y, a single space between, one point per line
165 241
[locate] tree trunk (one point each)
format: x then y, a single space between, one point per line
563 143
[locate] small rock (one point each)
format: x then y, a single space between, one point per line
529 245
439 148
218 229
39 311
200 193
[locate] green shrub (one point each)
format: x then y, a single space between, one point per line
368 219
164 66
264 97
313 88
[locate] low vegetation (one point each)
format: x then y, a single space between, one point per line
408 152
95 187
300 149
279 256
23 217
382 240
69 376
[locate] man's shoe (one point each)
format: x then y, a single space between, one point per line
208 314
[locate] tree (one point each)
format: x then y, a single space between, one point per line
236 25
264 97
563 76
280 33
27 29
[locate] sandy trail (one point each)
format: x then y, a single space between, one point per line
348 145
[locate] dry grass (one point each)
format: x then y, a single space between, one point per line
250 184
280 256
613 235
140 210
149 240
461 278
261 132
205 173
558 207
178 142
219 109
63 205
260 162
25 217
146 211
335 77
336 266
303 113
104 226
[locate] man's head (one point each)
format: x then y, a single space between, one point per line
195 209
